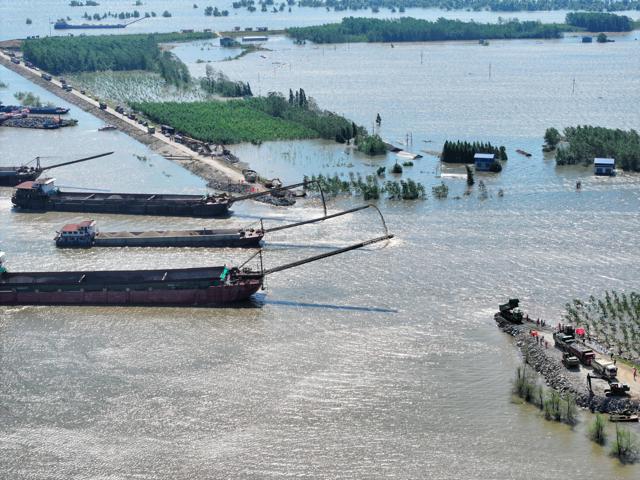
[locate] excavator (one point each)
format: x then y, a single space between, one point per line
616 388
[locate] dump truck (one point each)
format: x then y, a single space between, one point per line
584 354
606 368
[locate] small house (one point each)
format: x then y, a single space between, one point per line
484 161
604 166
228 42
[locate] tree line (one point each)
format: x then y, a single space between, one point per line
109 52
584 143
600 22
409 29
475 5
463 152
303 110
218 83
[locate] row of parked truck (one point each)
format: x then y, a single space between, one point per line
575 352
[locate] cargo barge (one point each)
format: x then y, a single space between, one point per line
63 25
42 195
12 176
34 110
85 234
204 286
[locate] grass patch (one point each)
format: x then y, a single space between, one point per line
224 122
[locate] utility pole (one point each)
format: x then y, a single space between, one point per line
421 57
489 70
573 86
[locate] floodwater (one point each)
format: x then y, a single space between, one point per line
379 363
43 13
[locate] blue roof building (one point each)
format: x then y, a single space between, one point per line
604 166
484 161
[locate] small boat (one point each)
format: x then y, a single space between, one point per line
106 128
625 416
522 152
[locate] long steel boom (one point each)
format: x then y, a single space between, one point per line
326 255
315 220
266 192
75 161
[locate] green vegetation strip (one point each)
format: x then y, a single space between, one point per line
613 321
414 30
254 119
600 22
475 5
223 122
60 55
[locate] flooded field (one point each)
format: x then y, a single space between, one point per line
379 363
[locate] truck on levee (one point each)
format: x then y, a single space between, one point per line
85 234
201 286
42 195
605 368
562 340
570 361
584 354
509 312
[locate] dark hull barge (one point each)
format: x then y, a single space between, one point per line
85 235
12 176
34 110
42 195
208 286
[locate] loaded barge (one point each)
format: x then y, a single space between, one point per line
86 235
204 286
34 110
12 176
42 195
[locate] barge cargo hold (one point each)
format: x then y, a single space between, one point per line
42 195
86 235
205 286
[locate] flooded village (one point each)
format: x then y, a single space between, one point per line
278 242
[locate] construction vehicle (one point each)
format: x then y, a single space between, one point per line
509 312
570 361
562 340
584 354
605 368
616 388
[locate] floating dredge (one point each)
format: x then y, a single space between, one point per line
204 286
86 235
12 176
42 195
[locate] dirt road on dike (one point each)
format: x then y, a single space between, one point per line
219 174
